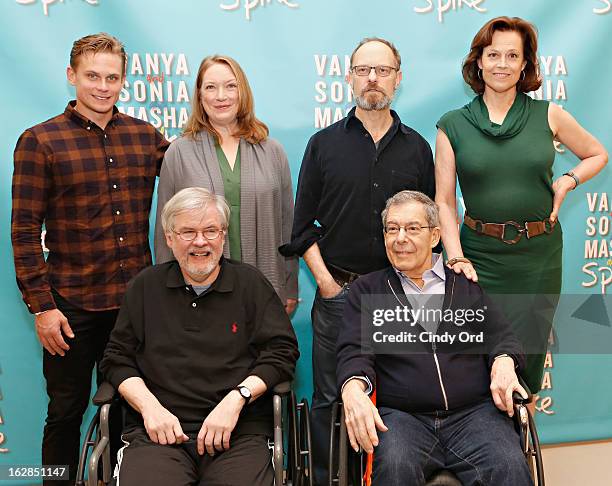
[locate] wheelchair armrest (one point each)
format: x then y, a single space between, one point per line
105 394
282 388
516 396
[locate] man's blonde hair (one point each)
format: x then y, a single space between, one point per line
94 44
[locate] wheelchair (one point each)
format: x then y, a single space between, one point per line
290 443
345 464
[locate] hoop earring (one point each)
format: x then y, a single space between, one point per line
479 72
523 75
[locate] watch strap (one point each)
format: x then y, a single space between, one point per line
573 176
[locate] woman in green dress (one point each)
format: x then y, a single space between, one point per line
226 149
500 146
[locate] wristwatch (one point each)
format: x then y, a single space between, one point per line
244 392
573 176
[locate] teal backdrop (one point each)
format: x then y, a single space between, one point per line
295 55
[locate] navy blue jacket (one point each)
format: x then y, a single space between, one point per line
427 377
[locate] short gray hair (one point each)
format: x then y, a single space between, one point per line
403 197
190 199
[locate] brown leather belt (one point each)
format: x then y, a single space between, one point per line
498 230
341 276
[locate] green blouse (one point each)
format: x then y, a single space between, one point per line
231 186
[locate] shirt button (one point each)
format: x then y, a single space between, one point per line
105 135
121 238
88 128
114 186
194 304
118 212
121 265
375 212
376 184
110 160
187 289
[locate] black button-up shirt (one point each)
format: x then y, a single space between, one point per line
345 181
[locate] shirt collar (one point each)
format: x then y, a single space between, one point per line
437 268
352 118
72 114
223 283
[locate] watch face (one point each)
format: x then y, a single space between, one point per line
245 392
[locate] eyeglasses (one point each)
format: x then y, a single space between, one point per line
411 229
382 71
190 235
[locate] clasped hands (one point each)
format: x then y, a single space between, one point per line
214 436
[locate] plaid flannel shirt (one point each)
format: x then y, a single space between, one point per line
92 189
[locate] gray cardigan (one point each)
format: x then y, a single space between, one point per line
266 202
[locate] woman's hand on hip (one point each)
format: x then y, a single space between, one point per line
561 187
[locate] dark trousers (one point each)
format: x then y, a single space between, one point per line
69 384
478 444
246 463
326 318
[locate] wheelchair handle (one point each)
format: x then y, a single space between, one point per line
105 394
282 388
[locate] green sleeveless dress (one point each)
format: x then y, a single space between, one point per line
505 174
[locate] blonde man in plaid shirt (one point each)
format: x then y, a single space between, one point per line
88 174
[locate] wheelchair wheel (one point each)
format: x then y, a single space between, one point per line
530 444
91 438
305 444
346 467
334 461
293 476
536 452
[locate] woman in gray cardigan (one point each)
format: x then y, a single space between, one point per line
226 149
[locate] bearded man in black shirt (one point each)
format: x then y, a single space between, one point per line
198 343
348 172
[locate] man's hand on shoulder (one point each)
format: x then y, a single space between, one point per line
51 326
503 383
215 433
361 416
161 425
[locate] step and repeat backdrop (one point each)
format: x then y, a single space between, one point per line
296 55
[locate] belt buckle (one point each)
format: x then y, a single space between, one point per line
520 230
478 226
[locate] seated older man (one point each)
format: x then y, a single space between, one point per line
440 403
197 344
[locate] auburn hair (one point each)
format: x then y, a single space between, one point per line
484 38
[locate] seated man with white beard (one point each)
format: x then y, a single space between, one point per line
440 404
198 343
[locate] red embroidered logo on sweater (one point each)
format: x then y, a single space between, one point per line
234 328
